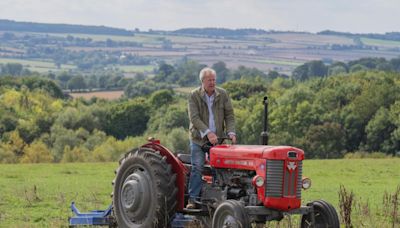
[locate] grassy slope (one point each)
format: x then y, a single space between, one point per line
89 185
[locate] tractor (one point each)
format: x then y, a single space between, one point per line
243 185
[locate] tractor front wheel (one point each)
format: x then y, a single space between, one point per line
144 190
325 215
231 214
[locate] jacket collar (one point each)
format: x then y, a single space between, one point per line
203 94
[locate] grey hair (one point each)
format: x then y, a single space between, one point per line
206 71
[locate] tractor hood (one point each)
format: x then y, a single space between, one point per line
249 155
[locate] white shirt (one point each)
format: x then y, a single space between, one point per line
211 122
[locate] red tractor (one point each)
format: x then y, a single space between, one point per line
243 185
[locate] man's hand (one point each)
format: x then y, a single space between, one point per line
212 137
233 138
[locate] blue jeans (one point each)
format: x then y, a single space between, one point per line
195 181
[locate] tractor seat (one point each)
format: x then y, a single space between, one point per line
186 159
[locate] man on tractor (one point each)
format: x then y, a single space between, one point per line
211 117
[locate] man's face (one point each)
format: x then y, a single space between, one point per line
209 83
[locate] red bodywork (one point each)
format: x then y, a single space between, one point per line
241 157
254 157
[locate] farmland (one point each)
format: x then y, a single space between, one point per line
280 51
39 195
41 66
108 95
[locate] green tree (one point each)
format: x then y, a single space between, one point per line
325 141
37 152
76 83
12 69
161 97
127 118
222 71
378 130
168 117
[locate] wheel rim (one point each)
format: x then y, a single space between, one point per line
136 196
321 219
228 221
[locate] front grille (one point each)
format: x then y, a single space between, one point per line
281 182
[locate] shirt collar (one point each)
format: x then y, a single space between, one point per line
203 92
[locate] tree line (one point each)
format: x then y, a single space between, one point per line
326 116
10 25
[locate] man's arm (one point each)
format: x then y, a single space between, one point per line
229 116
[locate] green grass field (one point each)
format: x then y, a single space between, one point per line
39 195
37 65
280 62
377 42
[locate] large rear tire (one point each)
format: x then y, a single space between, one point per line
325 216
230 214
144 190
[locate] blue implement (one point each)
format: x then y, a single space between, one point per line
104 218
95 217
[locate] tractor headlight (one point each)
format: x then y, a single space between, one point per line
258 181
306 183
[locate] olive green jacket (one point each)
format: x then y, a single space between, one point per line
198 114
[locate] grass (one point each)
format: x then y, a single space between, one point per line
39 195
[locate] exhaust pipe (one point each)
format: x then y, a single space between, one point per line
264 133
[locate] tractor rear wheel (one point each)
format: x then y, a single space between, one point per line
231 214
325 216
144 190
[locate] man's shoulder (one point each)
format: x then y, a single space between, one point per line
196 90
221 91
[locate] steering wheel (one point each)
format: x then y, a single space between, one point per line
207 145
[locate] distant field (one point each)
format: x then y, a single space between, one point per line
142 38
37 65
377 42
108 95
279 62
185 90
136 68
39 195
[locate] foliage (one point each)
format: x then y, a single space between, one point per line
239 89
127 118
168 117
309 70
32 84
37 152
327 117
143 88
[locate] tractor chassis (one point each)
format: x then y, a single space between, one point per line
104 217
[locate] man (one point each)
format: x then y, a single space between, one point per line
211 116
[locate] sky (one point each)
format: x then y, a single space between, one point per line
355 16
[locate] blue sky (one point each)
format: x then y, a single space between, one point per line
357 16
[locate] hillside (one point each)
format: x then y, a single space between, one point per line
84 48
9 25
